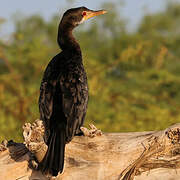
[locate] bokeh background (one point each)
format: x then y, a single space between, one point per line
131 54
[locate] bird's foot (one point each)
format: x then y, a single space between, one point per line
92 132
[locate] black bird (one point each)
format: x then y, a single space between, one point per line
64 92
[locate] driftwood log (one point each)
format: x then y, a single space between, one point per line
110 156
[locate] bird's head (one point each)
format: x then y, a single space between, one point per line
76 16
72 18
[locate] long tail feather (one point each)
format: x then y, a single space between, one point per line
53 161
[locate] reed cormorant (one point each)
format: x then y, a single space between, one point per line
64 92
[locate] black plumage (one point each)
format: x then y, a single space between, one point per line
64 92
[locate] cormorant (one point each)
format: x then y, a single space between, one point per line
64 92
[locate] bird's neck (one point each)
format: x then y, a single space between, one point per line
66 39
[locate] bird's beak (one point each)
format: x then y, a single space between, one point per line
90 14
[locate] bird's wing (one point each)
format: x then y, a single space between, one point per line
74 101
46 100
47 91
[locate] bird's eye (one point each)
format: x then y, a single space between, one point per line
84 13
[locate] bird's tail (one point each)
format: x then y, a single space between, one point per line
53 161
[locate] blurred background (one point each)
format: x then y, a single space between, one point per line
131 55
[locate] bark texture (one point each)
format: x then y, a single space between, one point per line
108 156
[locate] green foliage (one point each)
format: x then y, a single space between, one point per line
133 77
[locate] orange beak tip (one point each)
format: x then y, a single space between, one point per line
104 12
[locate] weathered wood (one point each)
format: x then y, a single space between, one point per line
111 156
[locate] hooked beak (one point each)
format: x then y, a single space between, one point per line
91 14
